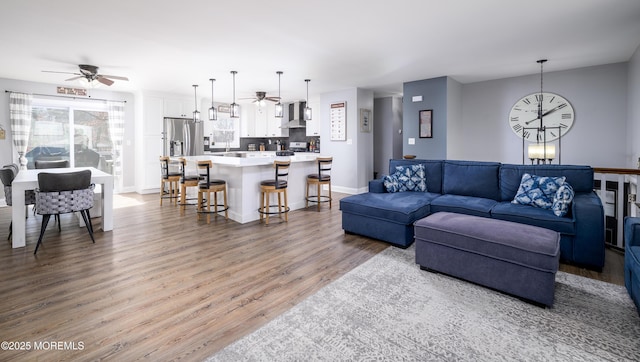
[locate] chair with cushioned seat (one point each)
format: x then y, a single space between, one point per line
63 193
277 185
170 178
7 174
186 180
41 164
319 179
208 185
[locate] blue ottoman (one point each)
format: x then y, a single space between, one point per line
518 259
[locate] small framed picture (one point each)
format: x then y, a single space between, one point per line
426 122
365 120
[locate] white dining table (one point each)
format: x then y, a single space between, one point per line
28 180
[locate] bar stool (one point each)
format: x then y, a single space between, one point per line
168 177
209 185
323 177
186 181
277 185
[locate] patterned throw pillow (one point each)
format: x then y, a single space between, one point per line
562 200
538 191
390 183
411 178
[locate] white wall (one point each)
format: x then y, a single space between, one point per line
8 154
633 110
598 136
352 159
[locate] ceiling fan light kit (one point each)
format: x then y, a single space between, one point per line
234 109
213 113
279 109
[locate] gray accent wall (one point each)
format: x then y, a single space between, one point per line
387 138
633 110
434 97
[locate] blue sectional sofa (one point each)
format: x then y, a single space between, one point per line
483 189
632 258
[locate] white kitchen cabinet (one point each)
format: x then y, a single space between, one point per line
260 122
247 121
179 108
274 124
313 127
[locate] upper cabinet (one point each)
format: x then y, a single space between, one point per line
261 122
178 108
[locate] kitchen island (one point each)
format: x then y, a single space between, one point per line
244 171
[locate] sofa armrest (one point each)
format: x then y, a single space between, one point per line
377 186
631 231
588 244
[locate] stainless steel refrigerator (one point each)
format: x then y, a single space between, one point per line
182 137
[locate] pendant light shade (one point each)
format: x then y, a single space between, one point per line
279 106
307 109
213 113
196 114
234 109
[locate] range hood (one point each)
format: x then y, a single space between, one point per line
296 115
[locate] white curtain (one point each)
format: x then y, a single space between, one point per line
20 115
116 130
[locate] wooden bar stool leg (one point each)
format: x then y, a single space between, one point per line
330 198
279 205
215 203
266 205
318 195
307 196
161 190
209 207
199 206
226 211
183 198
261 210
286 206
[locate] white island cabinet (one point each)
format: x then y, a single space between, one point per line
244 174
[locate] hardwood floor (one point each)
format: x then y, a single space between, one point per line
165 287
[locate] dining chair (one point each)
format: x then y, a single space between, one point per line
7 174
63 193
40 164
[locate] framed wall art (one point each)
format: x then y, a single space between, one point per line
365 120
426 123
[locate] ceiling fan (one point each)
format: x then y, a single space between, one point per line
90 73
262 96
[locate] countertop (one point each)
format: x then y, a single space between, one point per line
252 158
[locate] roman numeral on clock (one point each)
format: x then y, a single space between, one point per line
515 119
526 101
566 116
517 127
562 125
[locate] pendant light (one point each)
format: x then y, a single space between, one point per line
307 109
235 108
196 114
279 106
213 113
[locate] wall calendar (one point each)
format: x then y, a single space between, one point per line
338 119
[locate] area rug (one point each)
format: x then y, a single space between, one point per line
388 309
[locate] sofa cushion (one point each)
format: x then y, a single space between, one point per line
562 200
411 178
538 191
400 207
432 170
580 177
533 216
391 183
463 204
471 178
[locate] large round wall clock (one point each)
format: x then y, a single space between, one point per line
525 122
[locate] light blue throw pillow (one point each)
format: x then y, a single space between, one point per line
562 200
538 191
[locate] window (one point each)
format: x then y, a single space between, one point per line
76 130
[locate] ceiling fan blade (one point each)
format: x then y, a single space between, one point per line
104 80
74 78
248 98
273 99
53 71
115 77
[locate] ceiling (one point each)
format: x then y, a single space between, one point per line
168 46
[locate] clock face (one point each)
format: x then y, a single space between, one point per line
557 117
